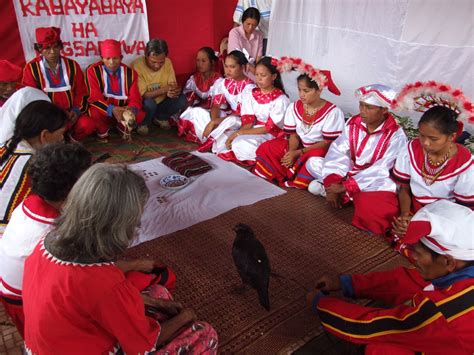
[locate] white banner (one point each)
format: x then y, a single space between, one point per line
391 42
84 24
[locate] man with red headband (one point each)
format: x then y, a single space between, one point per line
434 312
112 88
10 75
59 77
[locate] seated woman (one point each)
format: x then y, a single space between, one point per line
433 167
263 111
100 311
247 37
198 91
357 165
162 98
311 124
53 170
215 127
40 122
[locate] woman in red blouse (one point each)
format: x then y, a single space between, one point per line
78 301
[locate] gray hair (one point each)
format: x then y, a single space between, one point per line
100 217
156 46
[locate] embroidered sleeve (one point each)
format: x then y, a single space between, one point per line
278 110
401 170
79 88
333 124
218 97
464 188
418 327
95 94
189 90
247 110
289 122
29 76
134 97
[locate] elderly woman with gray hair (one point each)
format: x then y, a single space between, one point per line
77 300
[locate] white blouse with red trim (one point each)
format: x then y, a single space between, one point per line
328 123
259 108
373 154
228 91
455 183
199 87
30 220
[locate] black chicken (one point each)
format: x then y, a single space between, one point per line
252 262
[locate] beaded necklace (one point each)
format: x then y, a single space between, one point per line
431 170
309 117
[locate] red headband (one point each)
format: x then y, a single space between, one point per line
46 36
110 48
9 72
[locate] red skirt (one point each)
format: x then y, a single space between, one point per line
268 165
375 210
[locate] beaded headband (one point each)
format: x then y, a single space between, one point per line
421 96
287 64
320 77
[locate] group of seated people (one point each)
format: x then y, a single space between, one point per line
72 221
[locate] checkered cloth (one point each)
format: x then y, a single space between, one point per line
186 164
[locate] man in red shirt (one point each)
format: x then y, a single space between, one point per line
112 89
434 311
59 77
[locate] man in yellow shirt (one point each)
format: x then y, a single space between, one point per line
162 98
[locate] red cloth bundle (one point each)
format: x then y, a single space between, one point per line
187 164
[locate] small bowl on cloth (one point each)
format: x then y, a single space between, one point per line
174 182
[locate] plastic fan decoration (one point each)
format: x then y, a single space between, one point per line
421 96
287 64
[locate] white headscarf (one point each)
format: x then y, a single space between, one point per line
12 108
376 94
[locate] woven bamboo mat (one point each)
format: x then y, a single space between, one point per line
303 237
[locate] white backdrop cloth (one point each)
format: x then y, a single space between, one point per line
223 188
392 42
84 24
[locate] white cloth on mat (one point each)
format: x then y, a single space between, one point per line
225 187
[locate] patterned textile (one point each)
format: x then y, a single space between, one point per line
187 164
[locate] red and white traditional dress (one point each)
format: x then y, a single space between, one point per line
227 94
455 181
28 223
429 318
65 87
259 110
327 125
361 161
198 91
14 181
106 90
73 308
